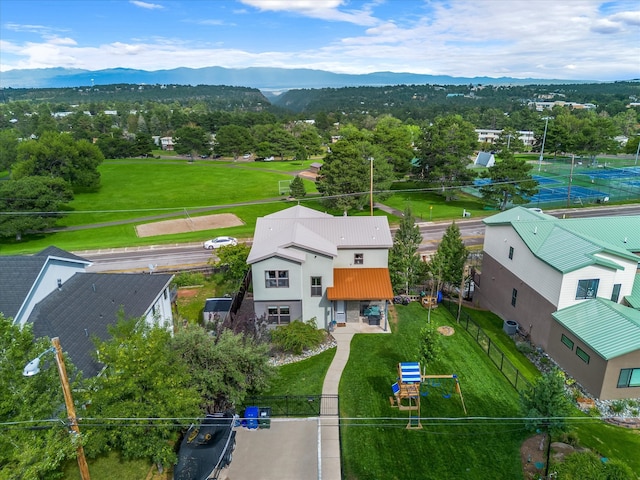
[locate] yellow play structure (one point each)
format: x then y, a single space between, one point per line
406 391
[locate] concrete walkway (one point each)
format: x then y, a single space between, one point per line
329 447
300 448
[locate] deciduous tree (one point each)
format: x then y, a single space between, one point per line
223 369
35 441
510 182
445 150
31 204
144 379
59 155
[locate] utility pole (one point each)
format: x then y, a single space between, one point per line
71 409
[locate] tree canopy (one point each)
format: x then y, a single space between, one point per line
144 379
31 204
59 155
510 182
38 443
346 172
445 151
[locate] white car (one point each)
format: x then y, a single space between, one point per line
218 242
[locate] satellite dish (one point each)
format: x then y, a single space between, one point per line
152 267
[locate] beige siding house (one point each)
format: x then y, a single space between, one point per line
573 286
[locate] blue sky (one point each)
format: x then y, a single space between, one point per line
555 39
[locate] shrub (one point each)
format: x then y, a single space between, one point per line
618 406
524 348
297 336
186 279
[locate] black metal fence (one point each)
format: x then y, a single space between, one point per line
296 405
499 359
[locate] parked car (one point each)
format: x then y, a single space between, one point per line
218 242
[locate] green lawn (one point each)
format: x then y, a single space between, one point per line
376 444
379 445
302 378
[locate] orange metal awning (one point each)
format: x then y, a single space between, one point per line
360 284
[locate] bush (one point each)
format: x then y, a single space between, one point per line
618 406
524 348
297 336
186 279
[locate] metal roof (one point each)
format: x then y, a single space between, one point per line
608 328
315 231
570 244
360 284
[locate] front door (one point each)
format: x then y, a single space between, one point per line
341 311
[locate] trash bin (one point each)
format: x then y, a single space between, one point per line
264 417
251 417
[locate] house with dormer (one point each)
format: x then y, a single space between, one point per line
52 291
573 287
307 264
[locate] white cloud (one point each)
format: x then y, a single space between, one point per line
320 9
148 6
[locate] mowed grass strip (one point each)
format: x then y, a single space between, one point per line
131 188
381 446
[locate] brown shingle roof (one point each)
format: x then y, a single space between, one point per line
360 284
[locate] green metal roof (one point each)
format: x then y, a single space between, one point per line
634 299
570 244
608 328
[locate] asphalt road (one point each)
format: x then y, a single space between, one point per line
160 257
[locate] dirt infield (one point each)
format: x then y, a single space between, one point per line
189 224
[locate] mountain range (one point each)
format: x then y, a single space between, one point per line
263 78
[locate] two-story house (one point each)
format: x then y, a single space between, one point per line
307 264
51 291
573 286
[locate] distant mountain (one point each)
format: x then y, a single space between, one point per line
263 78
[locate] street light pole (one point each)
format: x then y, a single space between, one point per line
637 151
544 138
33 368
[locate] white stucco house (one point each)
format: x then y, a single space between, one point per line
573 286
307 264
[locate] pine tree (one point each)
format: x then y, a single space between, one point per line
297 188
405 266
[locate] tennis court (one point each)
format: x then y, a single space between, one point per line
577 195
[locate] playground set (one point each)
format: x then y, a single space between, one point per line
407 390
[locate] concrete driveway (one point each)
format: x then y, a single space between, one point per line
288 450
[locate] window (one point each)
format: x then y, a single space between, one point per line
514 297
629 377
616 292
567 341
510 253
278 314
277 278
582 354
587 289
358 258
316 286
